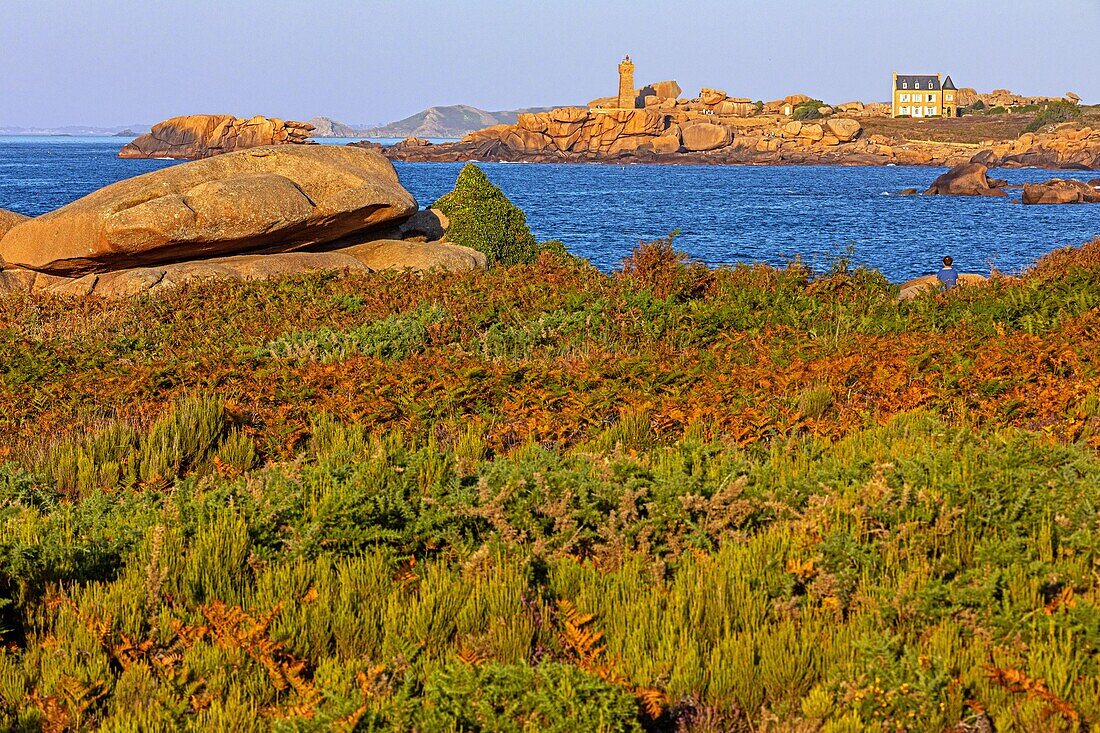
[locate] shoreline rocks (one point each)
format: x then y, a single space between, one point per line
968 179
193 137
1069 146
1059 191
664 135
272 199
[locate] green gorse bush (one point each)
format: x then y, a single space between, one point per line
483 218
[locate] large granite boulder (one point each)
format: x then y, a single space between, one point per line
12 281
239 267
271 199
126 283
706 136
844 129
666 144
712 97
192 137
663 89
912 288
813 133
8 220
365 257
968 179
1058 191
966 96
397 254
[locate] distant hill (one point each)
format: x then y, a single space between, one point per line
326 127
452 121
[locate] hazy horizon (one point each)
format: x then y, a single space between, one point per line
119 62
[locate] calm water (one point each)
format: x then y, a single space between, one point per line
726 214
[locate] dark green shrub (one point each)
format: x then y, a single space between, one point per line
998 110
807 110
978 105
1055 112
483 218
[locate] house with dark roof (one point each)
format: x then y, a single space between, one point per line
923 95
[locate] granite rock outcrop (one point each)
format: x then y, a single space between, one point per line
363 258
270 199
929 283
1068 146
968 179
400 254
192 137
1059 191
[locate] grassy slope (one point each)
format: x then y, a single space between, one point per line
693 499
972 129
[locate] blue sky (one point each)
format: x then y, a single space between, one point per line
111 62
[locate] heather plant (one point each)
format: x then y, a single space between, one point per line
544 497
392 337
822 581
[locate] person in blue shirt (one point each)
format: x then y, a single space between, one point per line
947 275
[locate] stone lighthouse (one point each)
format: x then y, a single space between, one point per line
626 84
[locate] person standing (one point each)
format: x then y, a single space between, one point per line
947 275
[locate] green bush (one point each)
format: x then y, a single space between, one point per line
483 218
978 105
1055 112
807 110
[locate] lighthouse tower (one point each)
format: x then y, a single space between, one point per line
626 84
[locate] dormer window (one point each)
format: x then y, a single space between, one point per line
905 85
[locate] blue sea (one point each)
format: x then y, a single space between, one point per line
724 214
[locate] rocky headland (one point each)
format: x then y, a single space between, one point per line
574 134
327 127
658 125
254 214
192 137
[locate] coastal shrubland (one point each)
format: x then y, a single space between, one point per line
1054 113
544 497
